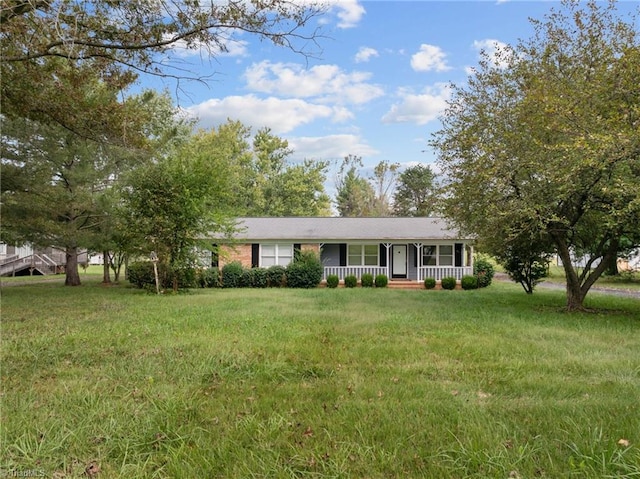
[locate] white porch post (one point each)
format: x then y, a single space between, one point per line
419 260
387 246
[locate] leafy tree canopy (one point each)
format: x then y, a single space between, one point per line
415 192
548 145
49 47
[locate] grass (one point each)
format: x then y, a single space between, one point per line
111 382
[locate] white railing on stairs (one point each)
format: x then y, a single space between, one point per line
44 265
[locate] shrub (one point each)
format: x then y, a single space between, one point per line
247 278
141 274
260 278
366 280
484 271
350 281
305 271
526 266
232 274
429 283
381 281
333 280
448 282
469 282
276 276
209 278
187 277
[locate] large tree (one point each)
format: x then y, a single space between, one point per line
354 194
175 202
383 181
281 187
54 181
263 180
47 47
415 192
548 146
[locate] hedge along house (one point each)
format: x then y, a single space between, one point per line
401 248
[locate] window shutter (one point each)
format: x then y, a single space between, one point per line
415 256
458 254
255 255
343 254
297 247
383 256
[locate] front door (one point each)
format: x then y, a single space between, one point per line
399 261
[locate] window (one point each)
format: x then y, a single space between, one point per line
429 255
446 255
440 255
275 254
363 255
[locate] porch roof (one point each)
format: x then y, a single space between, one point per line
326 229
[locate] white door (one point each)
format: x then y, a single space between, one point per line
399 258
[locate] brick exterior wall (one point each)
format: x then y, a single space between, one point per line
242 253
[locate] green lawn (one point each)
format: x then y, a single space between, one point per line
318 383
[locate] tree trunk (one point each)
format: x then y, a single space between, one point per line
575 296
612 268
106 275
72 275
578 286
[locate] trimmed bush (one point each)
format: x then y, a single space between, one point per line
305 271
260 278
246 278
469 282
448 283
429 283
276 276
366 280
333 280
484 271
141 273
209 278
381 281
350 281
232 274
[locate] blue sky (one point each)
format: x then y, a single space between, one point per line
374 90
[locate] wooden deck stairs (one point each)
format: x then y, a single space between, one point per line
27 265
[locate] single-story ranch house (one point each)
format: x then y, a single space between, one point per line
401 248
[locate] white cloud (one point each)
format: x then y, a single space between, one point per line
331 147
495 50
349 12
419 108
429 58
365 53
281 116
326 83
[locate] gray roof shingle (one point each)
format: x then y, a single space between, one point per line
324 229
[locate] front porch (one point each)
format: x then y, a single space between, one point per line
410 261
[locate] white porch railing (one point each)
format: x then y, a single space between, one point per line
357 271
439 272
